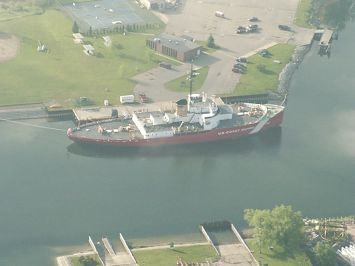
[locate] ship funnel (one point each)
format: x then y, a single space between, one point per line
181 107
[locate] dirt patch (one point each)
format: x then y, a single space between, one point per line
9 46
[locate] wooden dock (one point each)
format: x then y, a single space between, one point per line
326 38
325 42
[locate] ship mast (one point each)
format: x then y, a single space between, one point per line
191 78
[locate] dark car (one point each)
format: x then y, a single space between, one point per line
285 27
253 19
253 29
240 65
238 70
165 65
264 53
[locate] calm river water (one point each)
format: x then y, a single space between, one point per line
54 194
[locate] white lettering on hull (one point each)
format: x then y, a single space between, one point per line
234 131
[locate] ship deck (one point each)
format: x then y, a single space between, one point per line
125 129
113 129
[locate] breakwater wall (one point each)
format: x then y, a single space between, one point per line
288 71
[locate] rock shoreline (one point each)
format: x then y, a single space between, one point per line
286 74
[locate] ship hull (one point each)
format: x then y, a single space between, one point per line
192 138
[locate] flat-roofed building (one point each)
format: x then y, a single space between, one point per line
177 47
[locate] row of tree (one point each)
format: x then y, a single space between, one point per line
117 29
282 229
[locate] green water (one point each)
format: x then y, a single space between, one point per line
54 193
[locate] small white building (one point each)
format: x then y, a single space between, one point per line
78 38
107 41
88 49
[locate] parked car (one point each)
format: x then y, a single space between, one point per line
264 53
285 27
241 29
238 70
165 65
253 19
253 26
143 98
240 65
219 14
241 59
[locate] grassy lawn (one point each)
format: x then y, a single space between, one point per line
182 84
256 81
303 13
168 257
205 48
298 258
75 260
65 72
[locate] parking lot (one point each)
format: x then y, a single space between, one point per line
199 21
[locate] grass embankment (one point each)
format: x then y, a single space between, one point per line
65 72
205 48
168 257
297 258
75 260
182 84
263 73
303 13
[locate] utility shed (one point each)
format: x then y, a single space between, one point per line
182 49
78 38
88 49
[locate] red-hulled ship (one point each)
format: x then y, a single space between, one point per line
193 120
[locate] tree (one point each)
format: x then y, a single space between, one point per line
88 261
325 255
75 28
280 226
261 68
210 42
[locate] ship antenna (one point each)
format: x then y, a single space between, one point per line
191 78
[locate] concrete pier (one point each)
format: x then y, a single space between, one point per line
108 246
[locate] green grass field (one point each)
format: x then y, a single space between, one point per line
75 260
296 259
168 257
65 72
16 9
303 13
182 84
256 81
